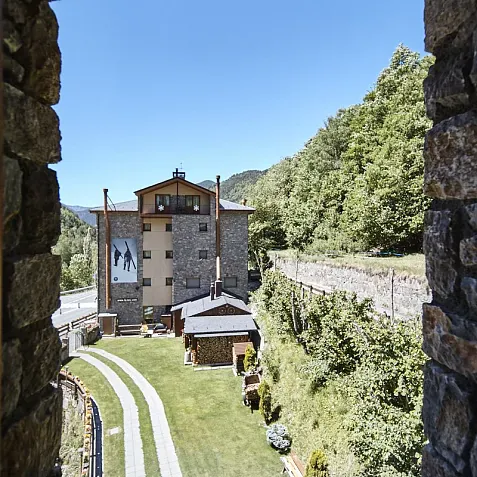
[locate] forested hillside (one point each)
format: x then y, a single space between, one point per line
357 184
78 250
236 187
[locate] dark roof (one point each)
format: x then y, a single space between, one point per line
128 206
218 324
201 305
131 206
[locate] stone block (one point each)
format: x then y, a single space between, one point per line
448 23
449 152
12 376
448 413
33 285
41 350
31 445
434 466
12 203
31 128
469 287
471 211
40 208
40 55
15 10
446 87
13 71
468 251
11 37
439 247
450 340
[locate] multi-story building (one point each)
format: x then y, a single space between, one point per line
167 247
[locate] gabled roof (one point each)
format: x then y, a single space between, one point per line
173 180
201 305
219 324
128 206
232 206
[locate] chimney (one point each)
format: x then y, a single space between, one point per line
244 202
218 288
217 232
212 291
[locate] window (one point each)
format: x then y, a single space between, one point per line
192 282
148 314
169 254
202 254
146 282
192 203
146 254
202 227
146 227
230 282
168 281
163 202
168 227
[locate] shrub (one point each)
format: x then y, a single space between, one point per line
250 359
277 437
265 406
317 465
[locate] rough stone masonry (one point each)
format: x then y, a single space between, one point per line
450 241
31 406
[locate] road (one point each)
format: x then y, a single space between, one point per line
74 306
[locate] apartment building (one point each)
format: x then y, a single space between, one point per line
167 246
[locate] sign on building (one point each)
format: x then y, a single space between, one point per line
123 260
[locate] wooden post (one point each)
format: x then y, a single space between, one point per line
392 295
107 231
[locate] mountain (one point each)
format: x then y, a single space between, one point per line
83 213
236 187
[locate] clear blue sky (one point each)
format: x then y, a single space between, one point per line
220 86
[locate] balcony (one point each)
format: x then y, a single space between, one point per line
177 204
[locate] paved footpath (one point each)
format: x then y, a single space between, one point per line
134 456
166 453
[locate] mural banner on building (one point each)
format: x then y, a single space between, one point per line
123 260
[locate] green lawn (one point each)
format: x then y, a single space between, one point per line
111 414
413 264
149 447
214 434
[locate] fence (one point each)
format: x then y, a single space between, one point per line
63 330
77 290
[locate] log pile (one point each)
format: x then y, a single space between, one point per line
217 350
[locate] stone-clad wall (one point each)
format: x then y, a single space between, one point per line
234 249
450 241
122 225
31 406
406 293
187 240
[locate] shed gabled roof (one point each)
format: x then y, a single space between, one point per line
173 180
219 324
201 305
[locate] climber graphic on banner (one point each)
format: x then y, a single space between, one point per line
123 260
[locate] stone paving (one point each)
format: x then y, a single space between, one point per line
134 456
166 453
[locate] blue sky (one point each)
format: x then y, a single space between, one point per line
220 86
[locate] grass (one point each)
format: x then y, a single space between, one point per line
214 434
413 264
111 414
149 447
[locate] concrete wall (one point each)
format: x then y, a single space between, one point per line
450 241
409 292
31 406
123 225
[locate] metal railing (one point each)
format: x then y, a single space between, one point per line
178 204
63 330
77 290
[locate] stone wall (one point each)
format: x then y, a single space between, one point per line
450 241
31 406
187 240
122 225
234 250
407 292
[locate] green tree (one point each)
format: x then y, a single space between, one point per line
250 359
317 465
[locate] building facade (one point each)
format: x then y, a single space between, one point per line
163 249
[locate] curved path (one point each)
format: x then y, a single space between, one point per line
133 453
166 453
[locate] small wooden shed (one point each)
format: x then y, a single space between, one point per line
239 355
